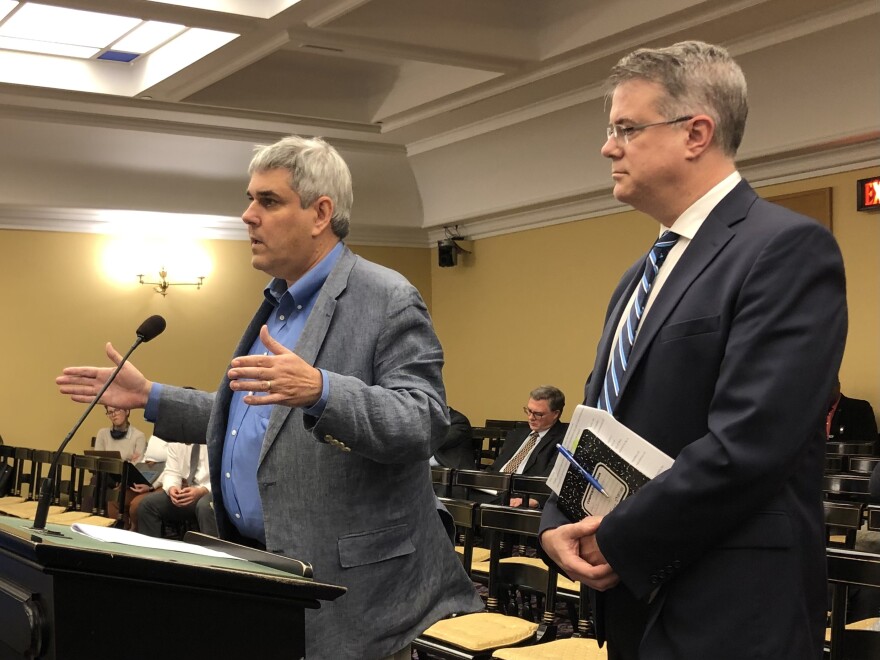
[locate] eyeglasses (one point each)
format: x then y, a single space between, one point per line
622 134
532 413
112 411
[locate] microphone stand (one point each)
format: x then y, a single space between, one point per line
48 485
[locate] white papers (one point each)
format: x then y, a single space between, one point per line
634 449
113 535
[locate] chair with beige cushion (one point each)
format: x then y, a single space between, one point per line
464 515
857 640
476 636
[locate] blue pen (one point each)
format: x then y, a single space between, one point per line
586 475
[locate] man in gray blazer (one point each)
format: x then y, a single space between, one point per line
321 430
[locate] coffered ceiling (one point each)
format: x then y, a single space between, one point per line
392 83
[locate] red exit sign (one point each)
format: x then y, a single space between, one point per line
868 192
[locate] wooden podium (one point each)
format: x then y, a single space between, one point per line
72 596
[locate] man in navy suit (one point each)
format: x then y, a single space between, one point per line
531 450
738 343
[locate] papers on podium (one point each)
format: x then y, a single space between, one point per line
619 459
113 535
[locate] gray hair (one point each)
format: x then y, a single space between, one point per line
316 169
552 395
698 78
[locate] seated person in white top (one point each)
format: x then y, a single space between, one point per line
185 495
121 436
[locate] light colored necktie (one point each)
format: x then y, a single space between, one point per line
514 463
627 336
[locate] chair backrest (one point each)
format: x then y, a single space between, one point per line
113 472
488 441
849 448
862 464
508 424
530 486
850 568
85 468
504 521
464 515
872 514
842 518
63 487
483 479
23 466
846 487
442 478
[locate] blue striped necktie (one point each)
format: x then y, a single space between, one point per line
627 336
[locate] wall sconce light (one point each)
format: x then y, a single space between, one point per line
162 285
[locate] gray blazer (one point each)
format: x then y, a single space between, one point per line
349 491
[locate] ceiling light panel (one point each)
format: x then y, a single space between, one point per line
255 8
66 26
147 36
47 47
6 6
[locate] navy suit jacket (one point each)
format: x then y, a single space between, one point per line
730 376
542 459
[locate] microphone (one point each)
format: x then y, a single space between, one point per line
149 329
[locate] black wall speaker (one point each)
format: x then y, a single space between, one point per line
447 253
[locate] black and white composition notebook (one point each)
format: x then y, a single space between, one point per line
618 458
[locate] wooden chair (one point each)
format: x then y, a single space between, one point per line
87 494
862 464
64 486
835 464
849 448
530 487
113 474
842 521
7 470
487 444
441 477
872 514
507 424
24 466
582 645
477 636
846 487
472 480
848 568
464 514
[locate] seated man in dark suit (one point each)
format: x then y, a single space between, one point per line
850 420
532 451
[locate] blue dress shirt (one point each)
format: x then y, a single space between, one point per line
246 425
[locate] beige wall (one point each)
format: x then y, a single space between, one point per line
59 309
526 309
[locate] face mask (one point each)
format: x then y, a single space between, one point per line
117 434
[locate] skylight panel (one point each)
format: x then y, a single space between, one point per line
47 47
7 6
60 25
148 36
